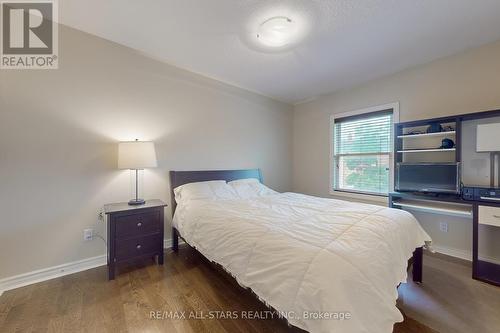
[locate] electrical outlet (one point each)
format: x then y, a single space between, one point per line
443 226
88 234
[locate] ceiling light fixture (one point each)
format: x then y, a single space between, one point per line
277 31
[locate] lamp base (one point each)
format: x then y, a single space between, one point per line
136 202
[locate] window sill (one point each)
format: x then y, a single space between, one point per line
373 199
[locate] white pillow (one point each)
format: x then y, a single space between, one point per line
245 181
250 188
209 190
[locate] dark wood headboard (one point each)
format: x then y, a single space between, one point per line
178 178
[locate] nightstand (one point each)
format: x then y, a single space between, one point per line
134 232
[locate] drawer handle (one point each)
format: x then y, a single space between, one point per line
139 224
496 216
138 247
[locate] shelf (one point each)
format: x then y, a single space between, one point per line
426 150
437 207
423 135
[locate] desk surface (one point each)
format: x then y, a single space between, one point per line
431 197
448 198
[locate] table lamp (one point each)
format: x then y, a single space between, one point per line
487 142
136 155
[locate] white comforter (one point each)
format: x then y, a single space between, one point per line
307 256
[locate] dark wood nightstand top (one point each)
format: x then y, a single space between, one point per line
123 206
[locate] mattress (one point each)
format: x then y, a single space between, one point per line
325 265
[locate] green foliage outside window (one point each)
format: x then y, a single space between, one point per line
363 145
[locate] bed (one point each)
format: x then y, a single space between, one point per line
325 265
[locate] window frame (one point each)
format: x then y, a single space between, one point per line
369 196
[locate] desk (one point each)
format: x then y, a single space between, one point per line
481 212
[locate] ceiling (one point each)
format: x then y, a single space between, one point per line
348 41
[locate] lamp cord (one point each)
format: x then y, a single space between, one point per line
98 235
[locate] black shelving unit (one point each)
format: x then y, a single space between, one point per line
450 204
401 131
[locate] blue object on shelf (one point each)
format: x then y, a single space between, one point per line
447 144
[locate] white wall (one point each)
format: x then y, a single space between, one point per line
463 83
58 142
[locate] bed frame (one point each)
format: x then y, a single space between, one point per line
178 178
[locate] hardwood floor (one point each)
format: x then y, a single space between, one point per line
449 300
87 302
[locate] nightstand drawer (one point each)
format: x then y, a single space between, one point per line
137 224
134 247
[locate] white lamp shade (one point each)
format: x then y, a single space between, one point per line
136 155
488 138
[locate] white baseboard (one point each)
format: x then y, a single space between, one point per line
462 254
49 273
167 243
457 253
45 274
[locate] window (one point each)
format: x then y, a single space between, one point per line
362 152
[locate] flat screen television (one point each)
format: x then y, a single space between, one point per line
428 177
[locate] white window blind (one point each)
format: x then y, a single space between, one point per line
362 151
